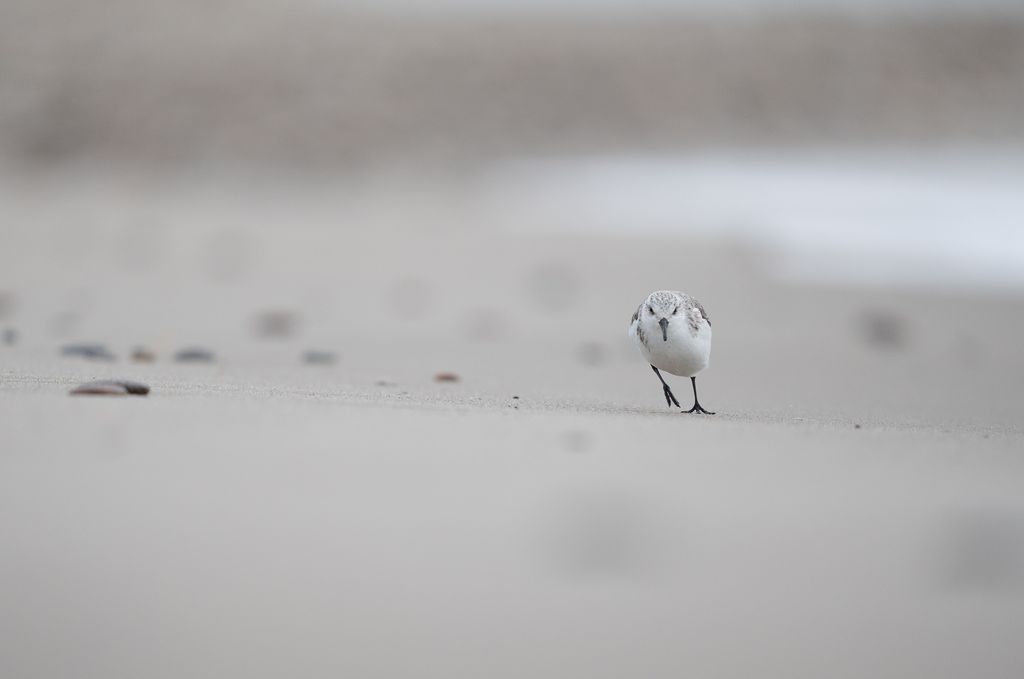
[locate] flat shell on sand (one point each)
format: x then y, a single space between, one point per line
110 388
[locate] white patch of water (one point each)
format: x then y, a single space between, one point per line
951 218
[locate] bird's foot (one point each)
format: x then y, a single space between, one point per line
670 398
698 409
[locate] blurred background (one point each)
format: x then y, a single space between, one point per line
377 261
488 178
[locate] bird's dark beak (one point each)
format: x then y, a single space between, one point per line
664 329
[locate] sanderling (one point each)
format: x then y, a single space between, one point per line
674 334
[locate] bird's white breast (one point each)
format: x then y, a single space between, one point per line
686 351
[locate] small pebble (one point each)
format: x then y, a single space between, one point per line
110 388
446 377
884 330
319 358
591 353
386 383
515 398
276 324
143 355
856 426
96 352
577 441
195 355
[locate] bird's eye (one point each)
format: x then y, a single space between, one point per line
650 310
675 311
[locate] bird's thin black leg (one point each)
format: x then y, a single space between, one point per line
670 398
697 408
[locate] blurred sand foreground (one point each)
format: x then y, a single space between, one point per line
261 517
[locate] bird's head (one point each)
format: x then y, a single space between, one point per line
660 308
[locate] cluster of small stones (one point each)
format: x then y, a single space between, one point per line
272 324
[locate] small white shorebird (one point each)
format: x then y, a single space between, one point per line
673 333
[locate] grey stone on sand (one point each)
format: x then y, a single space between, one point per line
577 441
591 353
314 357
96 352
195 355
884 329
276 324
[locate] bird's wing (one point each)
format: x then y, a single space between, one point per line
700 307
695 312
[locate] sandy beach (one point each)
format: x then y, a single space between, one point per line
853 509
414 440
